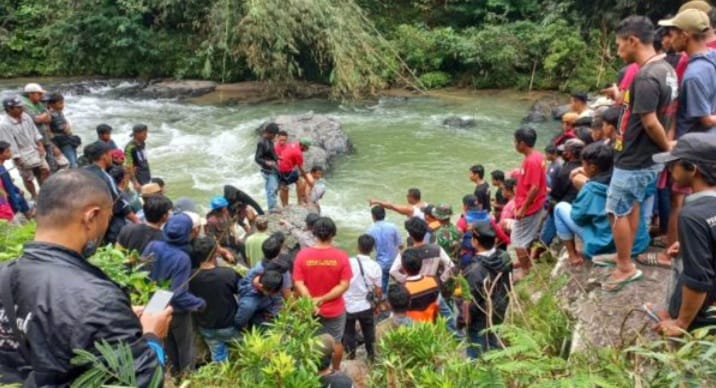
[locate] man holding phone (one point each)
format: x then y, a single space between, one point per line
63 303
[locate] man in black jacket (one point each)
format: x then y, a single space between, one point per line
100 158
266 158
62 302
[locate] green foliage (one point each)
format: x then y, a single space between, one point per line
111 366
13 237
115 263
285 355
434 79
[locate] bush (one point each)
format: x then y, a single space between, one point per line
435 79
13 237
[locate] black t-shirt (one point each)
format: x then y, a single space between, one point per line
655 89
336 380
697 238
218 287
562 188
482 192
135 237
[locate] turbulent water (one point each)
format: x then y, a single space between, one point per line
399 144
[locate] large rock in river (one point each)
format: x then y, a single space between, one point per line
326 133
169 89
461 122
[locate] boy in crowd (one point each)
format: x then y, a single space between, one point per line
399 300
104 134
317 186
692 163
261 294
255 240
136 236
555 163
607 131
135 158
433 257
305 236
423 290
507 218
488 275
530 198
568 132
10 192
61 129
329 377
482 189
323 272
578 104
499 202
218 287
361 298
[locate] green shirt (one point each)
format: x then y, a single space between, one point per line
448 237
254 253
34 110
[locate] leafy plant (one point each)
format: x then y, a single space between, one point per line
111 366
117 264
13 237
435 79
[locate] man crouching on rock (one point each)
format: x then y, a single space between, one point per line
61 301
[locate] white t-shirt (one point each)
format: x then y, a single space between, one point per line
356 295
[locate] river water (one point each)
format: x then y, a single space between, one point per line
399 144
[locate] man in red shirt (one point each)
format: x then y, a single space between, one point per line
530 197
281 142
323 273
290 170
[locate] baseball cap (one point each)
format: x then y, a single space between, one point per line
305 141
693 147
196 221
690 20
442 211
33 88
701 5
150 189
483 228
12 102
571 144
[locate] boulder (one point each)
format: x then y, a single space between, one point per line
605 318
540 110
559 111
173 89
534 117
296 215
326 133
461 122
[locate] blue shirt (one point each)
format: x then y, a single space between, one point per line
697 94
387 241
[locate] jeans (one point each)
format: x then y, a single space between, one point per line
70 153
630 186
663 202
548 230
385 280
253 309
478 341
271 187
367 327
567 229
179 343
445 310
217 340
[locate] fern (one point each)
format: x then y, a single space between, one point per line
111 364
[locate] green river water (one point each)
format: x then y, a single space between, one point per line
399 144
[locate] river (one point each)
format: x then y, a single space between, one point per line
399 144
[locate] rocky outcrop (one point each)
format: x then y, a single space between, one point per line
326 133
170 89
605 318
294 214
541 110
461 122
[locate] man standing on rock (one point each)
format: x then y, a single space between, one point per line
290 170
135 161
649 112
267 159
34 107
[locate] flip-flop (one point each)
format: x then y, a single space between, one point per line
651 260
612 285
608 260
650 312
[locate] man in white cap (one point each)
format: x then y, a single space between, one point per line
17 128
32 98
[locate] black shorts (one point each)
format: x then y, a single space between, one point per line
287 178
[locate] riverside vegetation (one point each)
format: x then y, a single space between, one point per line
356 46
535 335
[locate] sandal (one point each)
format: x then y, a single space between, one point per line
608 260
651 259
612 285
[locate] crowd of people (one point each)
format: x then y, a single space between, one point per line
646 157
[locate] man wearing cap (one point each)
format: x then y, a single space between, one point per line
266 158
692 163
290 170
135 158
32 98
488 275
578 104
649 113
446 234
18 129
710 37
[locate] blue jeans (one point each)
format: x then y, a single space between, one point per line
478 341
70 153
567 229
385 280
548 230
446 311
217 339
630 186
253 309
271 187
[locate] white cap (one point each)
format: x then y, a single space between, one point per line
196 221
34 88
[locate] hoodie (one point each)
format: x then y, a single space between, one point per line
485 268
170 262
588 212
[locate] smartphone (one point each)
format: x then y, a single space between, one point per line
159 301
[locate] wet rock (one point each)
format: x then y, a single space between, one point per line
540 110
559 111
294 214
461 122
609 318
326 133
535 117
